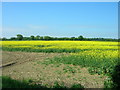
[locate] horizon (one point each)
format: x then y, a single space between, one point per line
59 36
60 19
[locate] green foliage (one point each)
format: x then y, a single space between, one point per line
57 85
47 38
32 37
13 38
19 37
7 82
104 66
77 86
116 76
108 83
80 38
53 50
114 79
37 37
3 39
41 38
69 69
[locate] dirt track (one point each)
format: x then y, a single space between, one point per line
22 57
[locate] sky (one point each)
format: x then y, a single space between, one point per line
60 19
60 0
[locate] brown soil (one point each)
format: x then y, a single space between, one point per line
29 66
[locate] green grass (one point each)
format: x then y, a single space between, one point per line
77 86
8 82
69 69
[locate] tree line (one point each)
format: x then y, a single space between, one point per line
20 37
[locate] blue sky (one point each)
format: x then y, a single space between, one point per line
61 19
60 0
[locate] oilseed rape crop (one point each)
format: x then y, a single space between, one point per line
58 46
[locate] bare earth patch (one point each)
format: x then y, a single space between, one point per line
27 67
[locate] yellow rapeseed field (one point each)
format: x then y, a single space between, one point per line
82 45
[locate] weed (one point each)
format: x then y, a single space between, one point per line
8 82
77 86
69 69
57 85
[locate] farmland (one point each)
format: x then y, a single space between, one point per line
71 62
58 46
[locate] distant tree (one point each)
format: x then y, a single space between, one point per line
80 38
26 38
32 37
4 38
119 40
37 37
19 37
51 38
66 38
55 38
41 38
47 38
12 38
72 38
